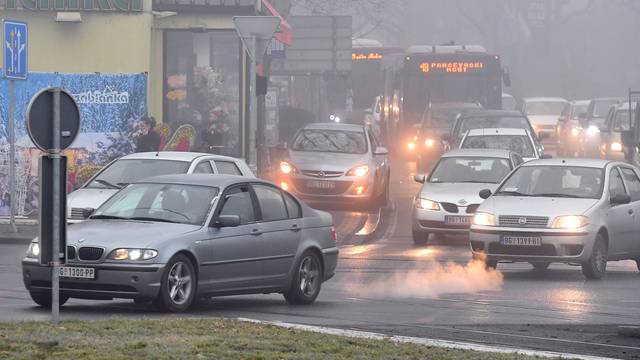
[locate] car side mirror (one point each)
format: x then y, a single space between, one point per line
620 199
485 194
87 212
224 221
381 150
422 178
546 156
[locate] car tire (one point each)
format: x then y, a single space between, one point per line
177 286
540 266
43 298
420 238
306 281
596 266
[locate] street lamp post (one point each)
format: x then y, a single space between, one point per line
255 33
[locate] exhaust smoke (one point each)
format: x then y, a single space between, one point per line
430 281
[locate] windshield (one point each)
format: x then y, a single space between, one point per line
554 181
601 108
545 107
579 109
123 172
184 204
470 169
519 144
622 121
492 123
348 142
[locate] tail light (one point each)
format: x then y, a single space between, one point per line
334 234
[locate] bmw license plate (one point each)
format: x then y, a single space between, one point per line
77 272
457 220
319 184
510 240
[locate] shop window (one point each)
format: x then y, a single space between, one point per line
202 88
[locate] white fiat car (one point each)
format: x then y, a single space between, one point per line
576 211
520 141
449 195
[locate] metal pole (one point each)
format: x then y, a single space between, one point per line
12 156
253 108
55 155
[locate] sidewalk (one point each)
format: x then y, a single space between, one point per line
27 230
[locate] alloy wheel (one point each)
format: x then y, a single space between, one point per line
179 283
309 275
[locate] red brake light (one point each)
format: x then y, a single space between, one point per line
334 234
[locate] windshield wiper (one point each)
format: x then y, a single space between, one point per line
108 184
556 195
146 218
511 193
107 217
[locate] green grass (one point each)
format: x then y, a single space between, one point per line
200 339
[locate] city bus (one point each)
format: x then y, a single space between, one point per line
427 75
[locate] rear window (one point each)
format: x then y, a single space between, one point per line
519 144
473 123
227 168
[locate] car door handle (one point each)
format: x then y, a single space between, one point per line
256 232
295 228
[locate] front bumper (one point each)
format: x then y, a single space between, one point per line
111 281
435 222
344 190
556 245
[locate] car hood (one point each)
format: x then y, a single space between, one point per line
113 234
89 198
455 193
536 206
304 160
544 119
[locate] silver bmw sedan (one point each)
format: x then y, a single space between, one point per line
575 211
173 238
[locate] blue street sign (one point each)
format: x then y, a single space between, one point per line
14 42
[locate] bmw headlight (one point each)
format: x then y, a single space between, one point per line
426 204
484 219
133 254
34 250
570 222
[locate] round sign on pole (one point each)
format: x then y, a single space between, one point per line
40 119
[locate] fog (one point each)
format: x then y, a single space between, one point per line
571 48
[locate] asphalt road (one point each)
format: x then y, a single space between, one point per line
385 284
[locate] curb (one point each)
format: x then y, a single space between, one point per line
423 341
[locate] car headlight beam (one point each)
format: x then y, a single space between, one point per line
484 219
570 222
133 254
359 171
34 250
286 168
616 146
426 204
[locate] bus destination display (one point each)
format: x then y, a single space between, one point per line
452 67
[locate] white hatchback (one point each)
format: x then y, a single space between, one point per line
134 167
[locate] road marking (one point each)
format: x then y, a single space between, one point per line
422 341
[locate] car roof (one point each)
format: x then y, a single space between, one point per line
334 126
492 113
594 163
544 99
497 131
175 156
493 153
212 180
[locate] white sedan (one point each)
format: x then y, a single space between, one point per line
520 141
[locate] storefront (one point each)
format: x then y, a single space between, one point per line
178 61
